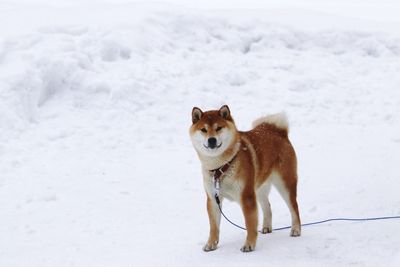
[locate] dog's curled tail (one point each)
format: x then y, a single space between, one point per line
279 120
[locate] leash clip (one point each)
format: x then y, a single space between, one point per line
217 186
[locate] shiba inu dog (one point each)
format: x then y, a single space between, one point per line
246 164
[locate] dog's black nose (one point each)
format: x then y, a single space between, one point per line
212 142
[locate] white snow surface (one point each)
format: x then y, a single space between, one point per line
96 165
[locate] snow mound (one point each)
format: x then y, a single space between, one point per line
145 65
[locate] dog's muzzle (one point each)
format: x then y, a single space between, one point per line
212 143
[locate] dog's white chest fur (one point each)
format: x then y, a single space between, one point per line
230 188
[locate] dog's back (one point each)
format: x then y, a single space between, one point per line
271 145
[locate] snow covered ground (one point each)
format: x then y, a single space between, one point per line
96 166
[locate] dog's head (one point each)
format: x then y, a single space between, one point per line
213 131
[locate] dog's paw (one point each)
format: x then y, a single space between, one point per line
210 246
266 230
295 231
247 248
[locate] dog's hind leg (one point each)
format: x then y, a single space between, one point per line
286 186
262 198
214 217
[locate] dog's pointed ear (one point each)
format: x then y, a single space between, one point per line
196 114
224 112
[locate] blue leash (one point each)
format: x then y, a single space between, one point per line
313 223
344 219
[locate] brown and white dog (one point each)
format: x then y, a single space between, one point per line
251 162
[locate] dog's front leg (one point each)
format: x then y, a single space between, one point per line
214 217
250 212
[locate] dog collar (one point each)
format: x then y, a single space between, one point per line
217 173
221 170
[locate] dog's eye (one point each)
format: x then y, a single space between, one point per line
218 129
204 130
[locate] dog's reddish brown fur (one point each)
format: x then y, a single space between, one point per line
261 156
